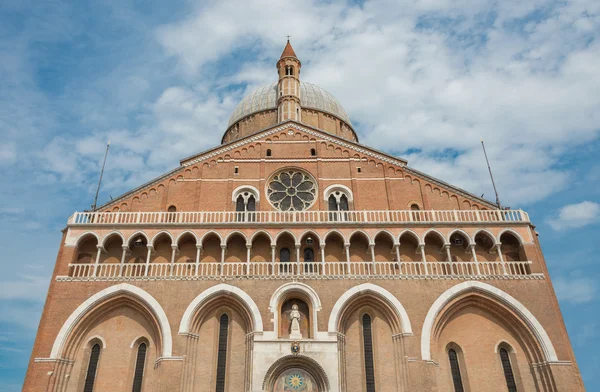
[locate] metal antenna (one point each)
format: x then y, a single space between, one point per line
491 176
101 173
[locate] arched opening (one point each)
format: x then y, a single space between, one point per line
90 377
140 363
309 251
211 249
185 258
261 248
504 351
162 249
87 249
136 259
294 312
313 152
236 248
269 152
459 247
334 248
409 247
222 352
359 247
286 245
434 247
113 250
455 370
484 247
512 250
296 373
475 314
384 247
368 352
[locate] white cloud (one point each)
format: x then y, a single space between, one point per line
577 215
575 290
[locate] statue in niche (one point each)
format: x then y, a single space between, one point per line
295 323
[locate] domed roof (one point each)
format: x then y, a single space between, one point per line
265 98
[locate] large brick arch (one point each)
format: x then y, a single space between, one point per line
137 294
495 294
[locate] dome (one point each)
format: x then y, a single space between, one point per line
311 97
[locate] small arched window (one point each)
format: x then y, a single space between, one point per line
313 152
90 377
368 351
269 152
172 209
455 369
222 353
139 368
284 255
414 207
508 372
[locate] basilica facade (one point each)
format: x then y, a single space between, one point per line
293 258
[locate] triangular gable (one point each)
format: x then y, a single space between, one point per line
353 146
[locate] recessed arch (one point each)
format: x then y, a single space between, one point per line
213 292
311 232
340 188
485 232
110 235
463 233
360 232
306 292
300 361
437 233
504 298
110 292
137 234
245 188
369 288
98 338
387 233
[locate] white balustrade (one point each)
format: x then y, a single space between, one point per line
308 217
330 270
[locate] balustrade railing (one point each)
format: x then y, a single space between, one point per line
379 269
306 217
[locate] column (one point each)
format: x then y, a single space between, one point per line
347 248
150 248
499 250
397 247
372 250
297 245
174 249
322 248
449 256
123 255
475 258
223 247
198 252
422 250
248 247
97 259
273 259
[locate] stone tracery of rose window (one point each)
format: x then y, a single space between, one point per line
292 190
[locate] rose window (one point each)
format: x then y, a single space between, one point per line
292 190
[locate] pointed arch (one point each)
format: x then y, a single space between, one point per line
183 234
110 235
215 291
104 295
487 233
305 292
83 236
379 292
436 233
495 293
311 232
511 231
261 232
384 232
282 232
208 234
463 233
160 234
137 234
360 232
334 232
410 233
233 234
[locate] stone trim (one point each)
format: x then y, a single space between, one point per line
503 297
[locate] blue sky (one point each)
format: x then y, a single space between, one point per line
420 79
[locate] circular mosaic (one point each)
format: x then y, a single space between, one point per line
292 190
295 381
